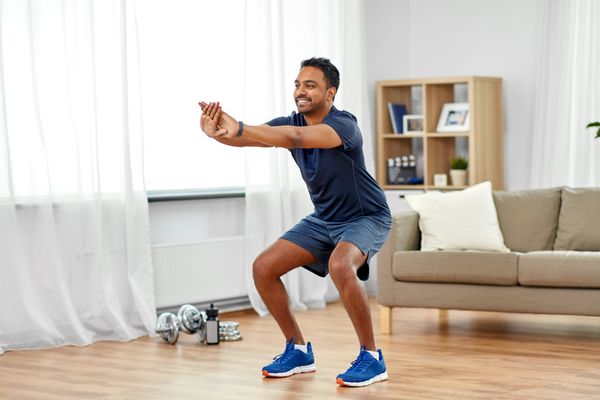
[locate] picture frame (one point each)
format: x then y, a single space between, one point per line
455 117
412 124
440 180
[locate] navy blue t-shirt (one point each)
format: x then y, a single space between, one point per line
337 179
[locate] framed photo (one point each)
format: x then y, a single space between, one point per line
454 118
412 124
440 180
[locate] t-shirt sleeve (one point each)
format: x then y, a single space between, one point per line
280 121
344 124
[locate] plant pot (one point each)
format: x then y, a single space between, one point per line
458 177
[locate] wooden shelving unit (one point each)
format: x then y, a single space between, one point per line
482 145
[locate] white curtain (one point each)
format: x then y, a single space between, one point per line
74 233
276 196
568 96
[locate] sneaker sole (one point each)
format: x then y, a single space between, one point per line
297 370
375 379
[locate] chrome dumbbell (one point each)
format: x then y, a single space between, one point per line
192 321
188 319
167 326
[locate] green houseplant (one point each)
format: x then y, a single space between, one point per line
458 171
459 163
594 125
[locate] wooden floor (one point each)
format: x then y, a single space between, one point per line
459 355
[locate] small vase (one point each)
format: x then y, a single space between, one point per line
458 177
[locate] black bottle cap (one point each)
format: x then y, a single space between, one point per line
212 311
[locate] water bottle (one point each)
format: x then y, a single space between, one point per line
212 325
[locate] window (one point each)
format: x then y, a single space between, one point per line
81 82
185 57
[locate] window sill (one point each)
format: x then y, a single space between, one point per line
195 194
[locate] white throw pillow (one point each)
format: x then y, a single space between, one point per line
464 220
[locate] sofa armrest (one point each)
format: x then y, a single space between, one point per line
404 236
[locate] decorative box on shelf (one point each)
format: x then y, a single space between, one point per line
402 170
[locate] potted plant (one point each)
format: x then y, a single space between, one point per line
593 125
458 171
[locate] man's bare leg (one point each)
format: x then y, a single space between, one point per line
278 259
343 264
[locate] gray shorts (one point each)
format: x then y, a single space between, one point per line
319 237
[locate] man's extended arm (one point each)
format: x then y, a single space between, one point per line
210 126
313 136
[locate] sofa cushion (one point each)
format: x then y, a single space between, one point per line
560 269
476 267
463 220
579 220
528 218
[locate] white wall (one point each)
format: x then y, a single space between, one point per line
459 38
197 250
195 220
387 47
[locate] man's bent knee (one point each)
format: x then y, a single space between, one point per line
265 267
261 269
340 270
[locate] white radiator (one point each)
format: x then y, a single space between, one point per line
199 272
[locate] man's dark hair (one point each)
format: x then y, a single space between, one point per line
332 75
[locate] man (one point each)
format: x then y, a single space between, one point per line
349 225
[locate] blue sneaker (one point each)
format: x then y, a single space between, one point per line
364 371
292 361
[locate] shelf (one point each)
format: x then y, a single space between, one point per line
403 187
482 145
442 188
423 187
402 135
447 134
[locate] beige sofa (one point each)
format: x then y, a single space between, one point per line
553 266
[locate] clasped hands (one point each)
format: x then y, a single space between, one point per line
215 122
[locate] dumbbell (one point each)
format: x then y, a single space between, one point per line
192 321
188 320
167 326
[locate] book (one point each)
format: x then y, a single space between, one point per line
397 112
